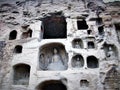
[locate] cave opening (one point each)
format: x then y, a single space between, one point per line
13 35
52 85
81 24
54 26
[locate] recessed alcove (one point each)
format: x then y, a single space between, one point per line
89 32
81 24
99 21
53 57
112 79
77 61
117 27
27 34
101 30
84 83
13 35
91 45
111 51
18 49
92 62
21 74
51 85
54 26
77 43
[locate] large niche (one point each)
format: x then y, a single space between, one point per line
112 80
53 57
77 61
54 26
21 74
52 85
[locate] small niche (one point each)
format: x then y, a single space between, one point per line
92 62
111 52
101 30
117 27
52 85
89 32
99 21
54 26
84 83
13 35
91 45
18 49
77 61
27 34
21 74
77 43
81 24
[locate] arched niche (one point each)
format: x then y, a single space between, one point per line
92 62
81 24
112 80
21 74
77 61
111 51
84 83
91 45
53 56
54 26
51 85
27 34
13 35
77 43
18 49
89 32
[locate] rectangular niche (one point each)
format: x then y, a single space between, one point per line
117 27
54 26
21 74
81 24
91 43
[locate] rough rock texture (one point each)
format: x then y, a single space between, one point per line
90 30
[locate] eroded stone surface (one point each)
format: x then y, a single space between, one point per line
88 29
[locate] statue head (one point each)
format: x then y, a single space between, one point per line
41 55
110 48
55 51
78 59
77 42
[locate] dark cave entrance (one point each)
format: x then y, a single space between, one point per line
54 26
52 85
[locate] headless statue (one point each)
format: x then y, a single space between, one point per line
57 62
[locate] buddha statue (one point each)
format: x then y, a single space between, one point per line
78 63
56 62
110 53
77 45
42 62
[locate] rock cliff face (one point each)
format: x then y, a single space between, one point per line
81 36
